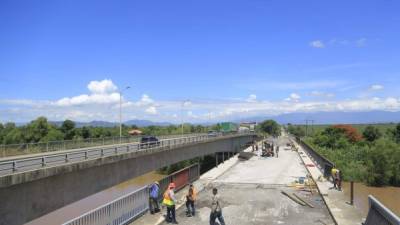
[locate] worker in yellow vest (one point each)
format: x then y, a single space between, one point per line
334 176
169 201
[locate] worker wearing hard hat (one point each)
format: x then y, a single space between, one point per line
169 201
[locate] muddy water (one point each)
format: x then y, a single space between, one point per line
80 207
389 196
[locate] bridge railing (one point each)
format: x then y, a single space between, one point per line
130 206
379 214
73 156
29 148
322 163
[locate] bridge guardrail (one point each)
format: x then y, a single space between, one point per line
379 214
130 206
322 163
74 156
51 146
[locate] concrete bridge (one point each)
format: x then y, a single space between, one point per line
34 185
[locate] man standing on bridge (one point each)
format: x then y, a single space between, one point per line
169 201
154 193
216 211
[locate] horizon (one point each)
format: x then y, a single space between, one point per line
201 62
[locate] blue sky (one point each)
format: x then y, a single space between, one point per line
231 59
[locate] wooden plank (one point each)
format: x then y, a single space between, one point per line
293 198
303 200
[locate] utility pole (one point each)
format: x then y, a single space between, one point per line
312 126
183 104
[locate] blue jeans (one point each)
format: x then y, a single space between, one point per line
190 207
216 215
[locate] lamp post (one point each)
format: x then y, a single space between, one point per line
120 113
183 104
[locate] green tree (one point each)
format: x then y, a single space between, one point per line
68 128
13 136
270 127
371 133
37 129
53 135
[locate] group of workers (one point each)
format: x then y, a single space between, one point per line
169 200
266 150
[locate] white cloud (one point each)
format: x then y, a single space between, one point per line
102 87
293 97
376 87
317 44
152 110
145 100
252 98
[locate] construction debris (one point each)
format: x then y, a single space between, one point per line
297 196
293 198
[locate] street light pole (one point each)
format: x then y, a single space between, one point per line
183 104
120 114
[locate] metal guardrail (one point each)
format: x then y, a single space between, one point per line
379 214
130 206
29 148
56 159
322 163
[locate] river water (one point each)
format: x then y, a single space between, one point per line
82 206
389 196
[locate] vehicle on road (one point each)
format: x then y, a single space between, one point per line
149 142
212 133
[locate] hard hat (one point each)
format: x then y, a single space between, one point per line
157 183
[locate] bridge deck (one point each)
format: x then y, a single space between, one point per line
251 194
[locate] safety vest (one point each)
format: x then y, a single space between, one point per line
334 171
167 199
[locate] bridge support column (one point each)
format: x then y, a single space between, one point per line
223 157
216 159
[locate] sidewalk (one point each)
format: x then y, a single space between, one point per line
199 185
342 212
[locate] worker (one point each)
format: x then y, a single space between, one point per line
333 173
190 199
216 210
277 151
154 194
339 179
169 201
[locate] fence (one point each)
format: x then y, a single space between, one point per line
55 159
379 214
29 148
321 162
130 206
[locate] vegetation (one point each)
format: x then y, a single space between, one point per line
270 127
41 130
370 155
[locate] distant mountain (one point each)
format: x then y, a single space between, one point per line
334 117
97 123
145 123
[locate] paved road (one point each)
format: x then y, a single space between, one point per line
251 194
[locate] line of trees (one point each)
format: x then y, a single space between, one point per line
41 130
369 155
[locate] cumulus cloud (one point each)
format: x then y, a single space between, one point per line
252 98
102 87
317 44
145 100
152 110
376 87
293 97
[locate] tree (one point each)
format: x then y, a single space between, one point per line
53 135
371 133
37 129
270 127
351 132
67 128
